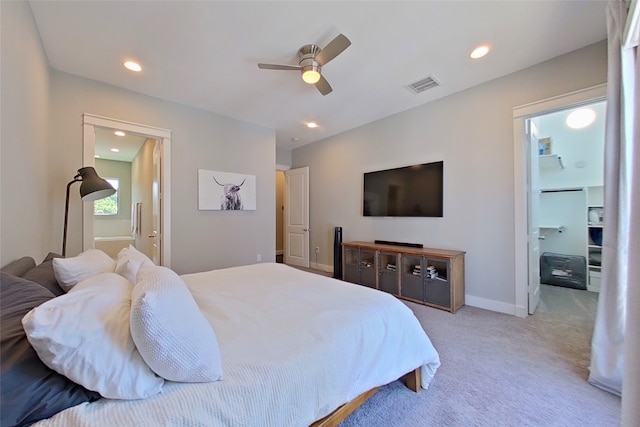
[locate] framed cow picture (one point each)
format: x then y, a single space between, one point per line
226 191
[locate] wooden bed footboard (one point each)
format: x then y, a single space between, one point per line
412 380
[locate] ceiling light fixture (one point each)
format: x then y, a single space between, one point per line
581 118
311 74
119 133
479 52
115 150
97 156
133 66
312 125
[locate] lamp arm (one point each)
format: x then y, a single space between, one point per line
66 214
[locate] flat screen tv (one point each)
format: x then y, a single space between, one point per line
410 191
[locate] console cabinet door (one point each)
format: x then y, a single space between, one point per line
351 272
388 270
368 268
411 281
436 281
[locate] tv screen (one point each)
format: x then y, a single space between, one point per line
411 191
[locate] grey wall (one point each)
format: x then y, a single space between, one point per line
24 184
42 133
201 240
283 157
472 131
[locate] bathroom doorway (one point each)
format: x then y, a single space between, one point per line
140 164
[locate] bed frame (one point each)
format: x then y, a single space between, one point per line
412 380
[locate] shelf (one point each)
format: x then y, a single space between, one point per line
558 228
550 162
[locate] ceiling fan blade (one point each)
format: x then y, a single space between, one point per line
323 86
333 49
278 67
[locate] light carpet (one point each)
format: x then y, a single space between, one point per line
501 370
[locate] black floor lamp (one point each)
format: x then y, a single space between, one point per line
92 188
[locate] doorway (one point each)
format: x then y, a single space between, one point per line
526 173
292 216
156 144
280 191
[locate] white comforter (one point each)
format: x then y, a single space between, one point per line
294 346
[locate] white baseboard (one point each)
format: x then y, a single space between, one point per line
322 267
488 304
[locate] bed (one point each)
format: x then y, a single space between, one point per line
296 349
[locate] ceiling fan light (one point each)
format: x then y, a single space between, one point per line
311 74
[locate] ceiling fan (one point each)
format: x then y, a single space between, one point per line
311 59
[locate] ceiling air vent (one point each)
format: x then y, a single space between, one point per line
423 84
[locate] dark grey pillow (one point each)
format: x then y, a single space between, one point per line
19 266
30 391
43 274
51 255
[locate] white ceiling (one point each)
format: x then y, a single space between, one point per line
204 54
127 145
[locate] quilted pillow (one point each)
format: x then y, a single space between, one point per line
30 390
70 271
85 336
129 262
172 335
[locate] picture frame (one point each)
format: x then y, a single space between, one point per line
226 191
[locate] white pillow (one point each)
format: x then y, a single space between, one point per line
70 271
129 262
85 336
172 335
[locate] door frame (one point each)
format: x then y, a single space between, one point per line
283 168
521 178
89 122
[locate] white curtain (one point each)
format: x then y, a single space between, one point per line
616 335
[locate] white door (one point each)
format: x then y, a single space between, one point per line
156 233
533 196
296 244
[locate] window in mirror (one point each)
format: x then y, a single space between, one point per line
108 205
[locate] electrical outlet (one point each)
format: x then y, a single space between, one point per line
259 258
317 249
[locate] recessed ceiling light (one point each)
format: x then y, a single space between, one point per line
97 156
115 150
479 52
119 133
581 118
312 125
133 66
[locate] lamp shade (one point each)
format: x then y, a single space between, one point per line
93 187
